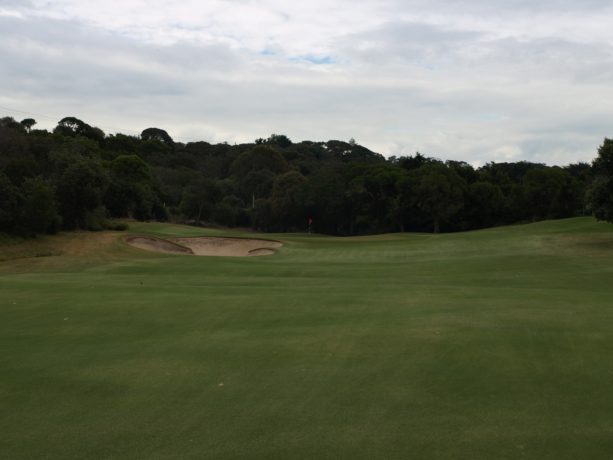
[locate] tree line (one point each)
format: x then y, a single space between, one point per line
78 177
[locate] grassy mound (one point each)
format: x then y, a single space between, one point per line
488 344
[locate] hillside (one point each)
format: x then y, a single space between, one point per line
77 177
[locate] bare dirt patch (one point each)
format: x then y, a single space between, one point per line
207 246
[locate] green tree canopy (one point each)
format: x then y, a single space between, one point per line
438 193
280 140
543 191
27 123
72 126
10 201
600 193
39 212
80 190
259 158
157 134
199 197
130 189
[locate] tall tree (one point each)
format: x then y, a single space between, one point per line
130 187
484 204
157 134
27 123
10 201
543 191
600 193
258 158
39 212
288 201
80 190
280 140
72 126
438 193
199 198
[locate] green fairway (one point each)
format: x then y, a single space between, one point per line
494 344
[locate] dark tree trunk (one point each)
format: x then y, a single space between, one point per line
200 212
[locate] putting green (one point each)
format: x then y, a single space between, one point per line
489 344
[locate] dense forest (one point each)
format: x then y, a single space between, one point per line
77 177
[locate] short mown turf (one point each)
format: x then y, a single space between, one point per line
496 344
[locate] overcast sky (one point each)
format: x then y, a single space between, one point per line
482 80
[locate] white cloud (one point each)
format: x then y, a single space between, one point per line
484 81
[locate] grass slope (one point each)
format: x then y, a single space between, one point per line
490 344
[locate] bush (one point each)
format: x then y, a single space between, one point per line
117 226
95 220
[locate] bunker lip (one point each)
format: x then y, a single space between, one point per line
152 243
205 245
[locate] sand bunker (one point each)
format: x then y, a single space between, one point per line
157 244
206 246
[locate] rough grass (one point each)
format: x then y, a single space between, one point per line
490 344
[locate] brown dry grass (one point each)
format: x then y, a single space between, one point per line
17 254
